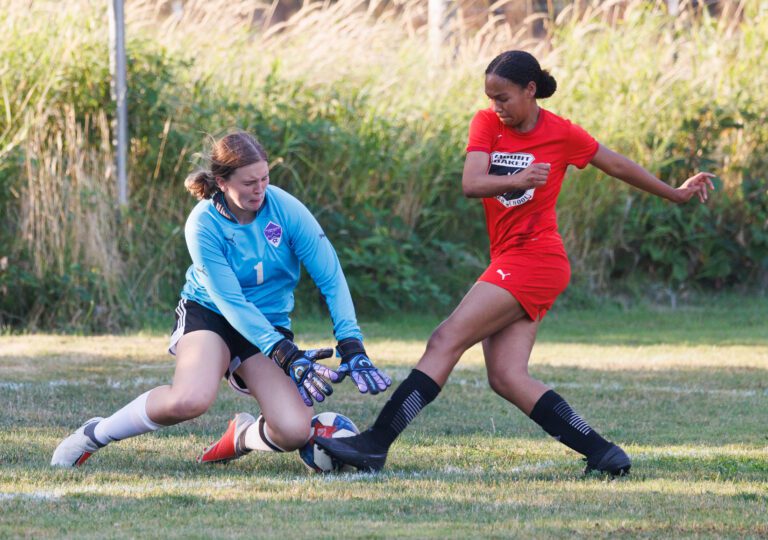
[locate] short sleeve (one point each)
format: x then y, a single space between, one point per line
483 131
581 146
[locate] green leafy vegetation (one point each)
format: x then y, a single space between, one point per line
369 131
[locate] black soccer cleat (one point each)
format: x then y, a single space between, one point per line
614 461
355 451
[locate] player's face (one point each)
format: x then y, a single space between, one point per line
512 103
246 188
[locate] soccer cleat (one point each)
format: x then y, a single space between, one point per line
78 447
614 461
231 445
355 451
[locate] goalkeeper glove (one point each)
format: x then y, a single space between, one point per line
355 362
309 376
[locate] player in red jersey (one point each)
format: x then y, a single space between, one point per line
516 159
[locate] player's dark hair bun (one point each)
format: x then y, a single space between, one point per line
546 85
521 68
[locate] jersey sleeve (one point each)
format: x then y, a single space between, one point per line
223 287
483 131
581 147
316 253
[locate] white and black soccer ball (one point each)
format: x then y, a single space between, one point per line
329 425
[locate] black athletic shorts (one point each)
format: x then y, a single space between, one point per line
191 316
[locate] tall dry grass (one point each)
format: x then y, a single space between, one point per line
367 124
67 211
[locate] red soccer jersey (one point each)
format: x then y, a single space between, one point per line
517 218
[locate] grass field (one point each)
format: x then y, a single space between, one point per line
684 391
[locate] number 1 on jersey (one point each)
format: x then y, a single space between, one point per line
259 272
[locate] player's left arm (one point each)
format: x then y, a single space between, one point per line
317 255
626 170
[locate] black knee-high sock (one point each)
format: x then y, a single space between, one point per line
413 394
557 418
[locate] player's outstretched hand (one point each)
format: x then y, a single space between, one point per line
696 185
301 366
356 364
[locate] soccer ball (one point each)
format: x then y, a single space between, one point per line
328 425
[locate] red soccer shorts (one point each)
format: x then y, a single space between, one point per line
534 279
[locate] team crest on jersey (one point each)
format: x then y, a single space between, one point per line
505 163
273 233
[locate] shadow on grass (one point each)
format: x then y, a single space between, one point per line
700 409
471 457
719 320
471 486
706 406
713 325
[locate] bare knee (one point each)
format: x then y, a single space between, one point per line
186 406
444 342
506 383
290 433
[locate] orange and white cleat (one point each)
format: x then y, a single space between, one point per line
231 445
78 447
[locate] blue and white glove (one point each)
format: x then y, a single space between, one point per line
355 362
309 376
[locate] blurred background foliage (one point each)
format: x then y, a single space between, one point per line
367 127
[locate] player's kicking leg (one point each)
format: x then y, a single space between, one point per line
284 424
484 310
507 353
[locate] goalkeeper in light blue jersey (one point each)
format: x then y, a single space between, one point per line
247 240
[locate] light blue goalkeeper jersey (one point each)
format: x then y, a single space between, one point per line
248 273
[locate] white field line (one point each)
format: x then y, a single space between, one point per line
647 454
520 469
174 486
122 489
449 470
474 382
36 495
109 383
618 387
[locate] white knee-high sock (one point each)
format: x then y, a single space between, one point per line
257 438
129 421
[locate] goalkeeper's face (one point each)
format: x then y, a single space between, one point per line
246 187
